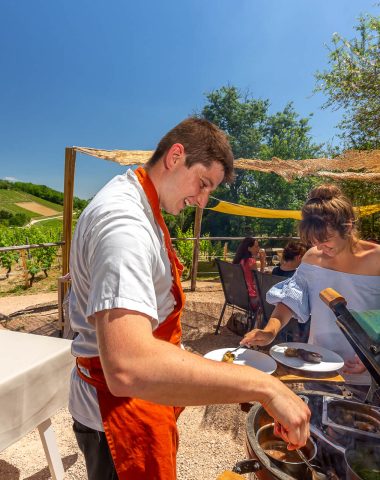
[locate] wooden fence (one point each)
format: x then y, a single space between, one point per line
196 241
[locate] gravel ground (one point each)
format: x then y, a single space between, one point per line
211 441
211 438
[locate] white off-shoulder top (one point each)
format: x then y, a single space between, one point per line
301 294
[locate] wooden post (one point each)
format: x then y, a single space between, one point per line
225 251
197 234
68 201
373 225
24 267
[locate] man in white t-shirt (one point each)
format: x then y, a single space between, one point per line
125 306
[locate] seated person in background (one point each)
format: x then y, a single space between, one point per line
247 254
291 259
338 259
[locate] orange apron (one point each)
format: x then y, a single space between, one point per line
142 436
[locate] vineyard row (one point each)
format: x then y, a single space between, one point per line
36 259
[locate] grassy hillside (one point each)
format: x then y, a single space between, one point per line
9 198
50 223
42 192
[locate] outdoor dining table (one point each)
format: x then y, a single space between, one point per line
34 384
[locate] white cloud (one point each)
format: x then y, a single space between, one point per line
11 179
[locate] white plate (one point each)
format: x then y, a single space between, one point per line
331 361
245 356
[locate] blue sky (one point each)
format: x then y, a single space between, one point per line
119 74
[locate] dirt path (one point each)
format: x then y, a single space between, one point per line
16 303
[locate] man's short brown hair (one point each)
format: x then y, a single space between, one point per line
203 142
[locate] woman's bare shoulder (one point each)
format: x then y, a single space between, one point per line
370 252
370 247
312 256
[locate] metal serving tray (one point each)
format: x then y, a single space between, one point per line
343 417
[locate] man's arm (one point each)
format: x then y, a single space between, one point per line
138 365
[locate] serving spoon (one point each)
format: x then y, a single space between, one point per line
314 474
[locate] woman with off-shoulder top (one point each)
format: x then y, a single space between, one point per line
338 259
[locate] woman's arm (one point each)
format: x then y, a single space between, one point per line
279 318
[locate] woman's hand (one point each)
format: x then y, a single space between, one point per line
354 365
258 337
280 317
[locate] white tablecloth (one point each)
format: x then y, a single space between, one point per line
34 381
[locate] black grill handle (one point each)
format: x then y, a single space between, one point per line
247 466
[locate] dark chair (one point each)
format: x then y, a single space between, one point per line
264 282
294 331
234 288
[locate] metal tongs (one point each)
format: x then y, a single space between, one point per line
314 474
235 349
254 347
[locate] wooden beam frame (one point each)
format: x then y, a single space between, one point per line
197 234
68 202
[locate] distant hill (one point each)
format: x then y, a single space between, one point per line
20 202
41 191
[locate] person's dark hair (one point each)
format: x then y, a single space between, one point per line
292 250
326 209
203 142
242 251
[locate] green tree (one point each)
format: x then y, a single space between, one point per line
255 133
19 220
184 249
352 82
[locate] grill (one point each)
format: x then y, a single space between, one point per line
331 447
346 432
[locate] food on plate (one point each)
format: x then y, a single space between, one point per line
312 357
291 352
228 357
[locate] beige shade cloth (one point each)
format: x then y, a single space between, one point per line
34 381
352 165
123 157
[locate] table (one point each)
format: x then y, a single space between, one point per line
34 384
287 374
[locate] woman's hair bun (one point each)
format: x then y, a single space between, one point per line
325 192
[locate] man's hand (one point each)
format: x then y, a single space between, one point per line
291 415
258 337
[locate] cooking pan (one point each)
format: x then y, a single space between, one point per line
362 461
290 463
348 419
